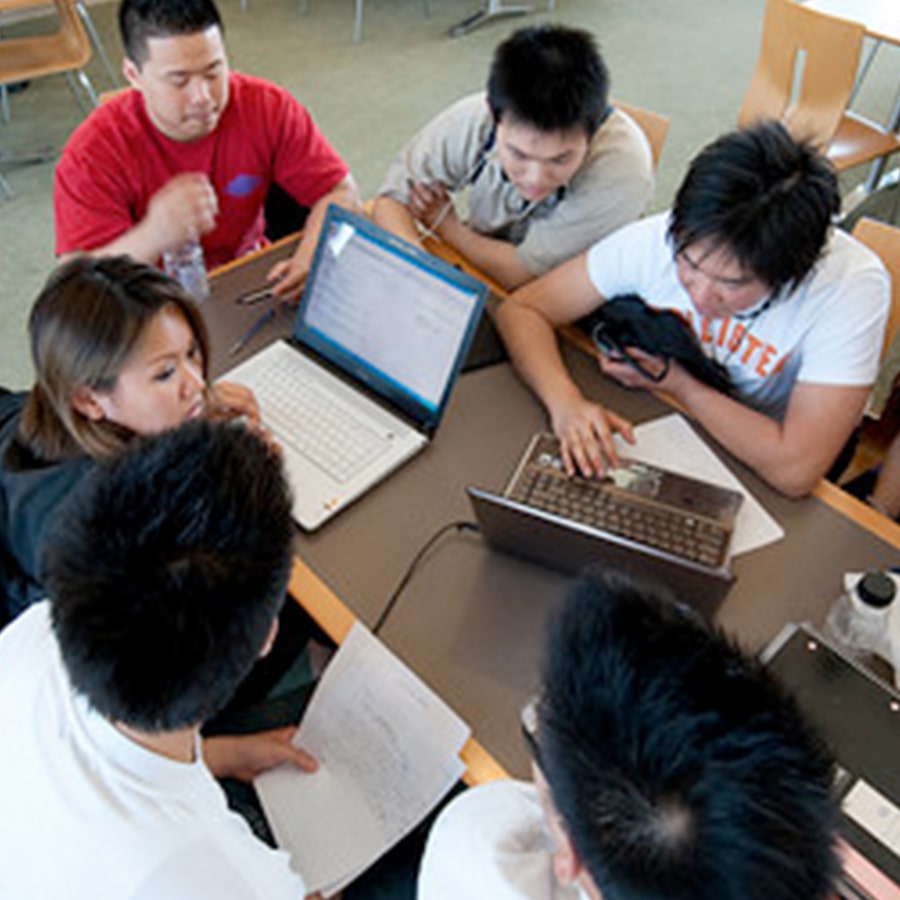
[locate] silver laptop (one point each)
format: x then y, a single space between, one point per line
380 336
639 517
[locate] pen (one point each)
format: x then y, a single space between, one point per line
257 326
263 293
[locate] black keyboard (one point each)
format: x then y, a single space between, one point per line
600 504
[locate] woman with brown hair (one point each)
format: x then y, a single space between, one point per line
119 351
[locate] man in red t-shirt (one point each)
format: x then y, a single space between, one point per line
192 151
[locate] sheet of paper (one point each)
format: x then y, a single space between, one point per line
671 443
388 750
874 812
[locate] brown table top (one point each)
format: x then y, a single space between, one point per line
470 621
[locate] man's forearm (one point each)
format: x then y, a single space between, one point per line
496 258
533 347
138 243
792 455
396 217
346 194
751 436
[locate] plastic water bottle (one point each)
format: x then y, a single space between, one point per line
859 619
894 631
186 265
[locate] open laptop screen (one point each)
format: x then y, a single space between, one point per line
395 318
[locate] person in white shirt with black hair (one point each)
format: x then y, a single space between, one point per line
667 766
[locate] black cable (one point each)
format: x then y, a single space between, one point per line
457 526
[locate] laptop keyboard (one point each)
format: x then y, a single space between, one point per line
316 423
595 503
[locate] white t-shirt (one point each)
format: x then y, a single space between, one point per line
88 813
492 843
610 189
827 331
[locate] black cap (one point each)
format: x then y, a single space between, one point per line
876 589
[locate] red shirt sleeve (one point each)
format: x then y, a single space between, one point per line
92 185
306 165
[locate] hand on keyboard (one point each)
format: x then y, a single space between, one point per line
585 431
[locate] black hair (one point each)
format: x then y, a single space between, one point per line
763 196
678 766
140 20
166 569
550 77
84 326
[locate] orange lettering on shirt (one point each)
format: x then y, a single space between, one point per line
780 364
717 331
765 358
737 335
723 331
752 344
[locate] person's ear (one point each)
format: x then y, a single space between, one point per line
566 865
86 402
132 72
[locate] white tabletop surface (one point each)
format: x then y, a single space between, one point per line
881 17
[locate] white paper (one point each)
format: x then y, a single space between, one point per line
874 812
388 750
671 443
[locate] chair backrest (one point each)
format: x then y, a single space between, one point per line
654 126
805 71
63 50
884 240
106 96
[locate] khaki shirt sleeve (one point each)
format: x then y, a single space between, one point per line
445 150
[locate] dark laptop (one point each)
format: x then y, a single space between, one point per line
858 714
639 518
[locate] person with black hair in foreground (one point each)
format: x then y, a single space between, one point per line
548 167
166 570
667 766
792 308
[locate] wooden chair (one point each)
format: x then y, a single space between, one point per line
94 35
805 74
654 126
64 51
877 432
884 240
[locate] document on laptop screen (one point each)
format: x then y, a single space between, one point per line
404 320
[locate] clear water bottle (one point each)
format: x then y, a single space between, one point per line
859 619
894 631
186 265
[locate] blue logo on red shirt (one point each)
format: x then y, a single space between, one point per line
243 185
